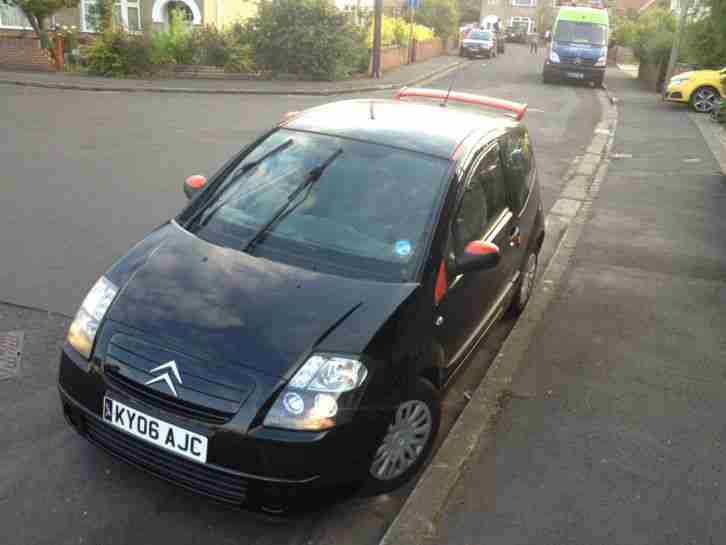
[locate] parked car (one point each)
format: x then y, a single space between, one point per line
295 325
479 43
517 34
699 88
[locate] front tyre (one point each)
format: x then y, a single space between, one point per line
704 99
525 285
408 440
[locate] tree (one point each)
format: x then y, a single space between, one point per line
441 15
469 10
38 12
705 37
544 16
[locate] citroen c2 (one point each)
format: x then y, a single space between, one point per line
295 326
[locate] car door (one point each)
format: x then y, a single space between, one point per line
474 300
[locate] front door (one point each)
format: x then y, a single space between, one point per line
474 300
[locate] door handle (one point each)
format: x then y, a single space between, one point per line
515 239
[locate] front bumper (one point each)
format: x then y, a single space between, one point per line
478 51
567 71
674 93
261 469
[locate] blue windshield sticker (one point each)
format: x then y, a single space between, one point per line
402 248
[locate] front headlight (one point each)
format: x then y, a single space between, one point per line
323 393
677 80
602 61
554 57
83 329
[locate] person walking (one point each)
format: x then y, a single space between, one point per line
533 42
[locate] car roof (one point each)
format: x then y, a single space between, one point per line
425 128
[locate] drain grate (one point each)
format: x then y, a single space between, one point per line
11 350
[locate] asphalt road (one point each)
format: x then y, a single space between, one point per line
85 175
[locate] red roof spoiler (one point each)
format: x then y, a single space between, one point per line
436 94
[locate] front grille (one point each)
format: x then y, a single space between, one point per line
168 403
217 483
207 391
583 62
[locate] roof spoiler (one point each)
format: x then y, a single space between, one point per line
467 98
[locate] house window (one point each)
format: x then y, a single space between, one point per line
11 16
126 14
525 3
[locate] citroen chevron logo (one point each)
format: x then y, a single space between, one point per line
165 377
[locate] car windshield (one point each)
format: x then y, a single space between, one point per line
584 33
370 212
480 35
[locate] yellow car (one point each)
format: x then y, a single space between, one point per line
701 88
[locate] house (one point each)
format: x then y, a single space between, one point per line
139 15
696 10
516 12
622 7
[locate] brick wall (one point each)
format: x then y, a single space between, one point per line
22 51
392 57
429 49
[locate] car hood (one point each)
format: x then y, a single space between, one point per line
215 302
701 74
477 42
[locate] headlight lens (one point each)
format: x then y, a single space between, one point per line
679 79
323 393
82 332
554 57
602 61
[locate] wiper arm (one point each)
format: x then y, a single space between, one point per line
205 215
286 208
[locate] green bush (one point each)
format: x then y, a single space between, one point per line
117 54
441 15
650 35
240 59
311 38
208 46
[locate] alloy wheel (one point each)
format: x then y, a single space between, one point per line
404 442
704 100
528 279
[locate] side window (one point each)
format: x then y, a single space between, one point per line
491 177
518 163
470 220
484 199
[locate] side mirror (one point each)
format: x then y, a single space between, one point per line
193 185
478 256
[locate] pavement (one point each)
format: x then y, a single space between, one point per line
609 427
629 69
406 75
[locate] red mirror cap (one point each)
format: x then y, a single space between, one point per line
196 181
478 247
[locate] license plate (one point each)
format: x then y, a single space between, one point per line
162 434
575 75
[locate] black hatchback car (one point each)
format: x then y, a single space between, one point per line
295 325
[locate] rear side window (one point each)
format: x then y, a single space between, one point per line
518 165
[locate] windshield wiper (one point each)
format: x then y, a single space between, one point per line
205 215
286 208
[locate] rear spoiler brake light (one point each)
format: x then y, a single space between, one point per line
467 98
